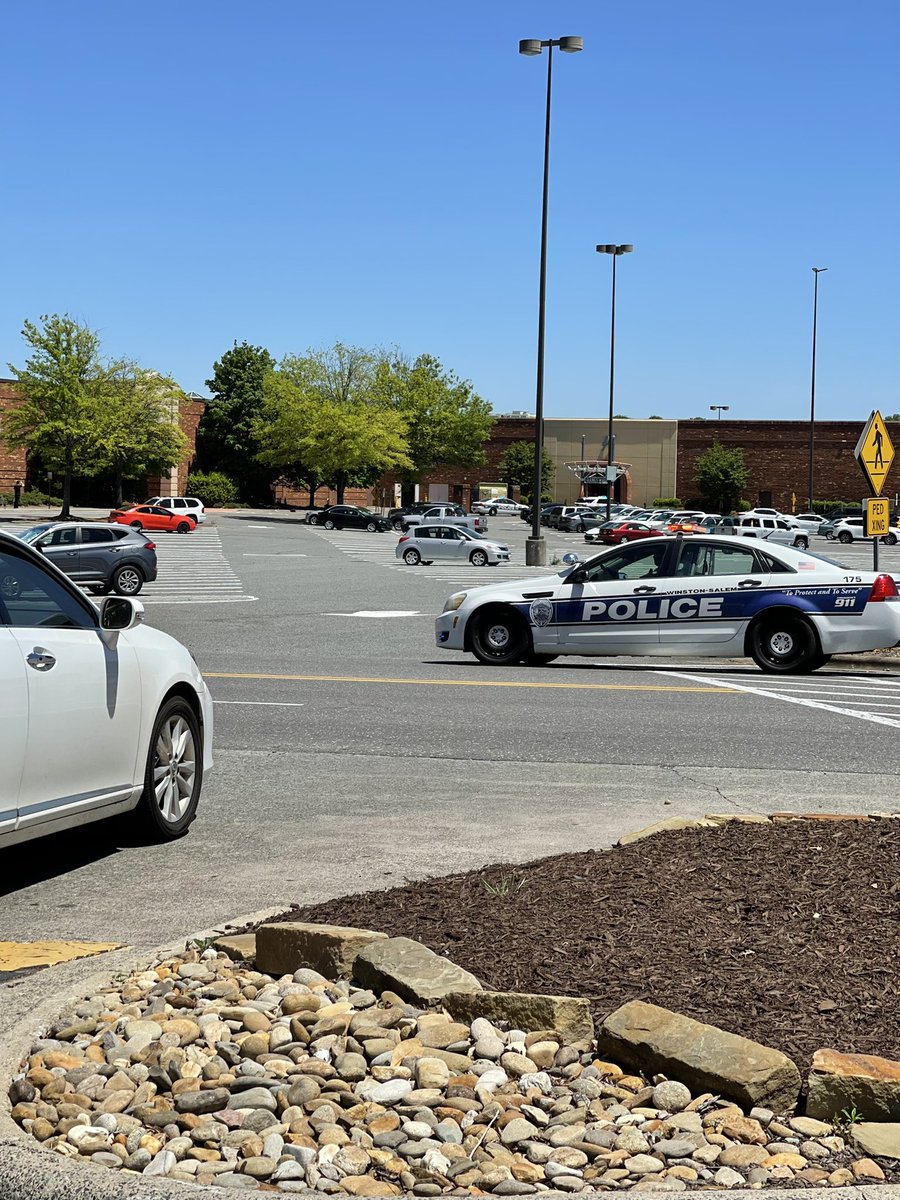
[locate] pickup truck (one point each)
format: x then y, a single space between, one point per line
446 514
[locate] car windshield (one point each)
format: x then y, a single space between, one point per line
30 535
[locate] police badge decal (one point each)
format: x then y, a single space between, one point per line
541 612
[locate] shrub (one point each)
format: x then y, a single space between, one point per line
667 502
213 488
30 497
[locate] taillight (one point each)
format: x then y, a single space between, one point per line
883 588
405 538
150 546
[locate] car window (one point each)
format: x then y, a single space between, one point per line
638 561
702 558
31 598
118 532
426 531
179 503
99 534
61 537
775 565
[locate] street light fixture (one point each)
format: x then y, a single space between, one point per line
719 408
615 251
817 271
535 546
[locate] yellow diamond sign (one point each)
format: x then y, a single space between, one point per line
875 452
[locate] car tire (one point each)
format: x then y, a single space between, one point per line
622 540
168 803
371 527
136 525
845 537
398 525
499 637
890 539
329 524
478 558
183 527
312 520
127 581
492 512
412 557
802 543
539 660
784 644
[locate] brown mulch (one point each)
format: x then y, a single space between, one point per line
787 933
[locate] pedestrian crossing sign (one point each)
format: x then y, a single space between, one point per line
875 452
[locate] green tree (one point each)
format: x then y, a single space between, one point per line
316 425
225 439
517 469
721 475
136 427
61 384
448 422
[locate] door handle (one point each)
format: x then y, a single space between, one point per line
644 590
40 659
749 583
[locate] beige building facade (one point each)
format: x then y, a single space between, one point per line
645 451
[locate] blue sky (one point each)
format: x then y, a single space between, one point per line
181 176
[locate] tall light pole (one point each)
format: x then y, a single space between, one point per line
615 251
817 271
535 546
719 408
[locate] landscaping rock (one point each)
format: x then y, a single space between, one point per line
570 1016
239 946
329 949
880 1139
869 1084
658 1041
411 970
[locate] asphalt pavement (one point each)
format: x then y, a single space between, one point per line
352 754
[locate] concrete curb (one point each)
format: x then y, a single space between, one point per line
29 1172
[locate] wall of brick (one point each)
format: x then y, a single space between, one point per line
777 454
12 462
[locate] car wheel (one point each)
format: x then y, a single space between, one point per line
371 527
844 536
539 660
329 524
829 537
783 644
136 525
622 539
499 638
174 772
311 520
802 543
890 539
492 512
411 557
183 527
478 558
127 581
398 525
10 587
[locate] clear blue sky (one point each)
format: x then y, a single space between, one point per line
181 175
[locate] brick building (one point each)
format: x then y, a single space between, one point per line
14 465
777 455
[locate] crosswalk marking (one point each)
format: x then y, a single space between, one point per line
874 700
193 569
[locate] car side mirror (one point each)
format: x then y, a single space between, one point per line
579 575
120 612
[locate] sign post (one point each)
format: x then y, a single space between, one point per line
875 453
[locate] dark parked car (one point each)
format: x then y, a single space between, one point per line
101 557
348 516
396 515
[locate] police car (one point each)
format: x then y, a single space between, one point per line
696 595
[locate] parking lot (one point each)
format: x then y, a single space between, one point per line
350 753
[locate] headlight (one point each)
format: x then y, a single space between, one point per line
454 602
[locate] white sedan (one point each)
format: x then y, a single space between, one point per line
696 595
99 714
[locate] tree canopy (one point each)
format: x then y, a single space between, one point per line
226 438
517 469
136 426
721 475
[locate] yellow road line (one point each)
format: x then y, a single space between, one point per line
16 955
497 683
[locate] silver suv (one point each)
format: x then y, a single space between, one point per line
102 558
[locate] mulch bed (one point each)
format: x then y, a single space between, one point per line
787 933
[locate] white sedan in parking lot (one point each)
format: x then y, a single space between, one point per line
696 595
99 714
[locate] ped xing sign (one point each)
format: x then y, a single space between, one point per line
875 452
878 517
